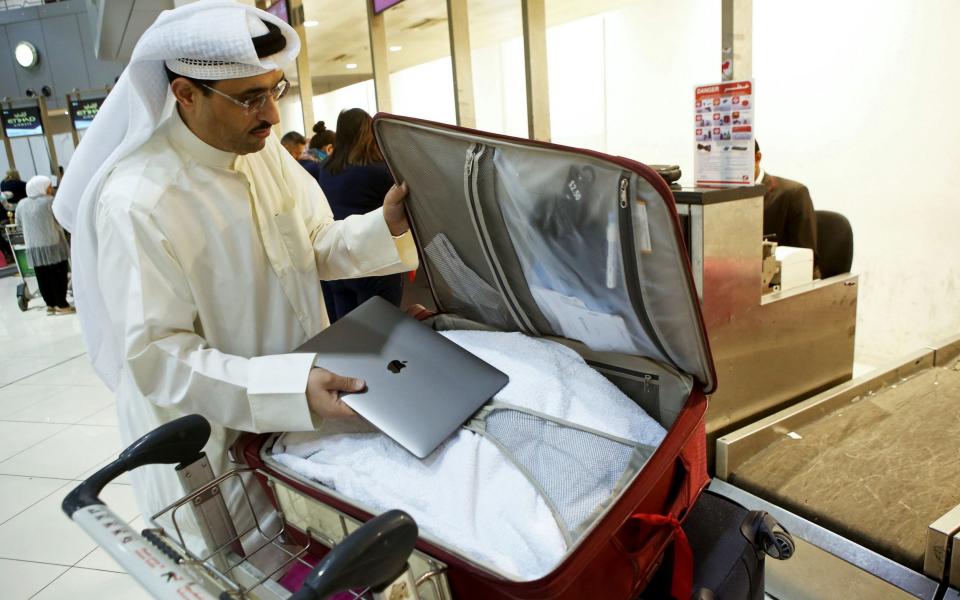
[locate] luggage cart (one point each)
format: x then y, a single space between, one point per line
14 236
373 558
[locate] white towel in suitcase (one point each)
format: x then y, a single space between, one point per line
467 493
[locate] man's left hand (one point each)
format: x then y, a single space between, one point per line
393 211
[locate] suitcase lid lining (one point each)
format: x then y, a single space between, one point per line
445 166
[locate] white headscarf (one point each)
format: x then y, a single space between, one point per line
38 186
215 33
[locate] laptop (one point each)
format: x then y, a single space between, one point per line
421 387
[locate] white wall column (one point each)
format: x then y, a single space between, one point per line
535 60
378 55
459 26
737 39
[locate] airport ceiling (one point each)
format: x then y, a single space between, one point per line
418 28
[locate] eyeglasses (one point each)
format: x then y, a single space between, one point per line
254 104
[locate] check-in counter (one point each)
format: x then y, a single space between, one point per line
770 349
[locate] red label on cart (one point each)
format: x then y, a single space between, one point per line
187 593
148 559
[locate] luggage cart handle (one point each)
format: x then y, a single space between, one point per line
179 441
372 556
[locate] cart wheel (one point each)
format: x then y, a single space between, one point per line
23 295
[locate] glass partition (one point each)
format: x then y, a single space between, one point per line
338 44
622 74
418 52
499 81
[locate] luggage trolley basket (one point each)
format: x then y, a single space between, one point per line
14 236
370 563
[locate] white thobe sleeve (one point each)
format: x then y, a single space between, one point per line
154 315
358 246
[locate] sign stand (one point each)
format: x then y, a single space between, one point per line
48 134
30 118
8 148
76 97
27 119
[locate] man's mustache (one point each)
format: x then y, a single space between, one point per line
262 127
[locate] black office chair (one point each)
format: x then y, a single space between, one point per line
834 243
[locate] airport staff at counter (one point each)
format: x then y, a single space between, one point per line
788 215
770 347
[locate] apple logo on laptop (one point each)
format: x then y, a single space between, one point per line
395 366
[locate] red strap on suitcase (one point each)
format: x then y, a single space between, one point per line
681 586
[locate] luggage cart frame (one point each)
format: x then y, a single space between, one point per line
373 559
14 236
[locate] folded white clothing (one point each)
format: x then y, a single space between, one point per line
467 493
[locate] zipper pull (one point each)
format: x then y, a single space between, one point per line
472 157
624 182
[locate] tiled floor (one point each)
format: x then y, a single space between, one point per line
57 424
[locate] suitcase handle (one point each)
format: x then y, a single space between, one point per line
641 529
681 586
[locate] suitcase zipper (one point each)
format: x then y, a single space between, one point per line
630 270
640 455
637 374
495 405
472 193
476 426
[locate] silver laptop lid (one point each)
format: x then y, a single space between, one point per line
421 387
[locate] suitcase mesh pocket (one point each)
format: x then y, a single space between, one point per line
576 471
470 292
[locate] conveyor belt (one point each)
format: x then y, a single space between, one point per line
877 471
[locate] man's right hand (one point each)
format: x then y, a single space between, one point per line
323 393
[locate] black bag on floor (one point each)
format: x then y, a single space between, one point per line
729 546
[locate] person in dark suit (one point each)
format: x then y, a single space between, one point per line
296 145
788 215
13 184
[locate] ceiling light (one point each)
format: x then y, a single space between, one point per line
311 23
351 66
396 48
26 55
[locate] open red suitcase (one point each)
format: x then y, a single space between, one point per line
526 222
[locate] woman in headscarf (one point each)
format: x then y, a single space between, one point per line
47 250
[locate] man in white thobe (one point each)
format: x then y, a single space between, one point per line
202 246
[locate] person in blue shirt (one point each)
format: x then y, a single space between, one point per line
355 179
322 143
